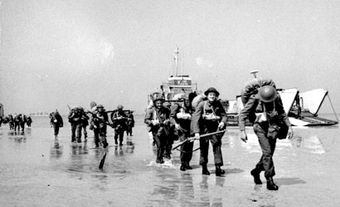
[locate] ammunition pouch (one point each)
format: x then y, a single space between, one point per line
279 131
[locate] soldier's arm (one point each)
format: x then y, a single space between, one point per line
196 117
173 113
222 113
244 113
148 117
281 111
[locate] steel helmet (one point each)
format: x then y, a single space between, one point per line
100 106
213 90
120 107
158 96
267 94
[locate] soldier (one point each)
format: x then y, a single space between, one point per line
75 119
11 122
56 122
85 121
29 121
99 123
119 119
130 122
181 118
210 116
18 122
158 122
265 110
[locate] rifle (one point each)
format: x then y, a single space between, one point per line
190 139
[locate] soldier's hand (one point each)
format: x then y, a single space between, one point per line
221 125
290 133
155 122
177 126
244 136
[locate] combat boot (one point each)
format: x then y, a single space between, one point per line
205 170
256 174
182 168
219 171
187 166
271 185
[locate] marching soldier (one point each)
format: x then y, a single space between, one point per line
119 119
265 110
130 123
158 122
181 118
210 116
99 125
56 122
75 119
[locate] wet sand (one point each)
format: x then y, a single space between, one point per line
36 170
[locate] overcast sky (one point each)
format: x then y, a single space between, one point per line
59 52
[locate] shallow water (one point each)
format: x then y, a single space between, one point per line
36 170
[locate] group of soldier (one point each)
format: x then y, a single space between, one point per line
97 118
194 117
17 122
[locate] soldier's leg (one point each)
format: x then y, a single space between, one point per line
96 136
183 152
116 137
216 145
121 137
73 132
267 155
78 132
56 130
159 151
204 148
85 133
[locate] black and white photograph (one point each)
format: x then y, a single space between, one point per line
167 103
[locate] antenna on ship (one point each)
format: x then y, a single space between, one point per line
254 73
176 60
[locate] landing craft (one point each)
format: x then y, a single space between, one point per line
302 107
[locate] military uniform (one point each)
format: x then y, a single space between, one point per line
129 124
75 119
157 120
201 123
99 126
119 119
266 119
181 115
56 121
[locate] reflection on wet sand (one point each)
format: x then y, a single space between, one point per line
56 151
128 179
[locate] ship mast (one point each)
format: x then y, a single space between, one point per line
176 60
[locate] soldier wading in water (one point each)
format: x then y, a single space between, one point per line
158 122
210 116
265 110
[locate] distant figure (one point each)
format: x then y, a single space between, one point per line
56 122
99 122
130 123
85 122
11 122
29 121
1 120
18 122
75 119
119 119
